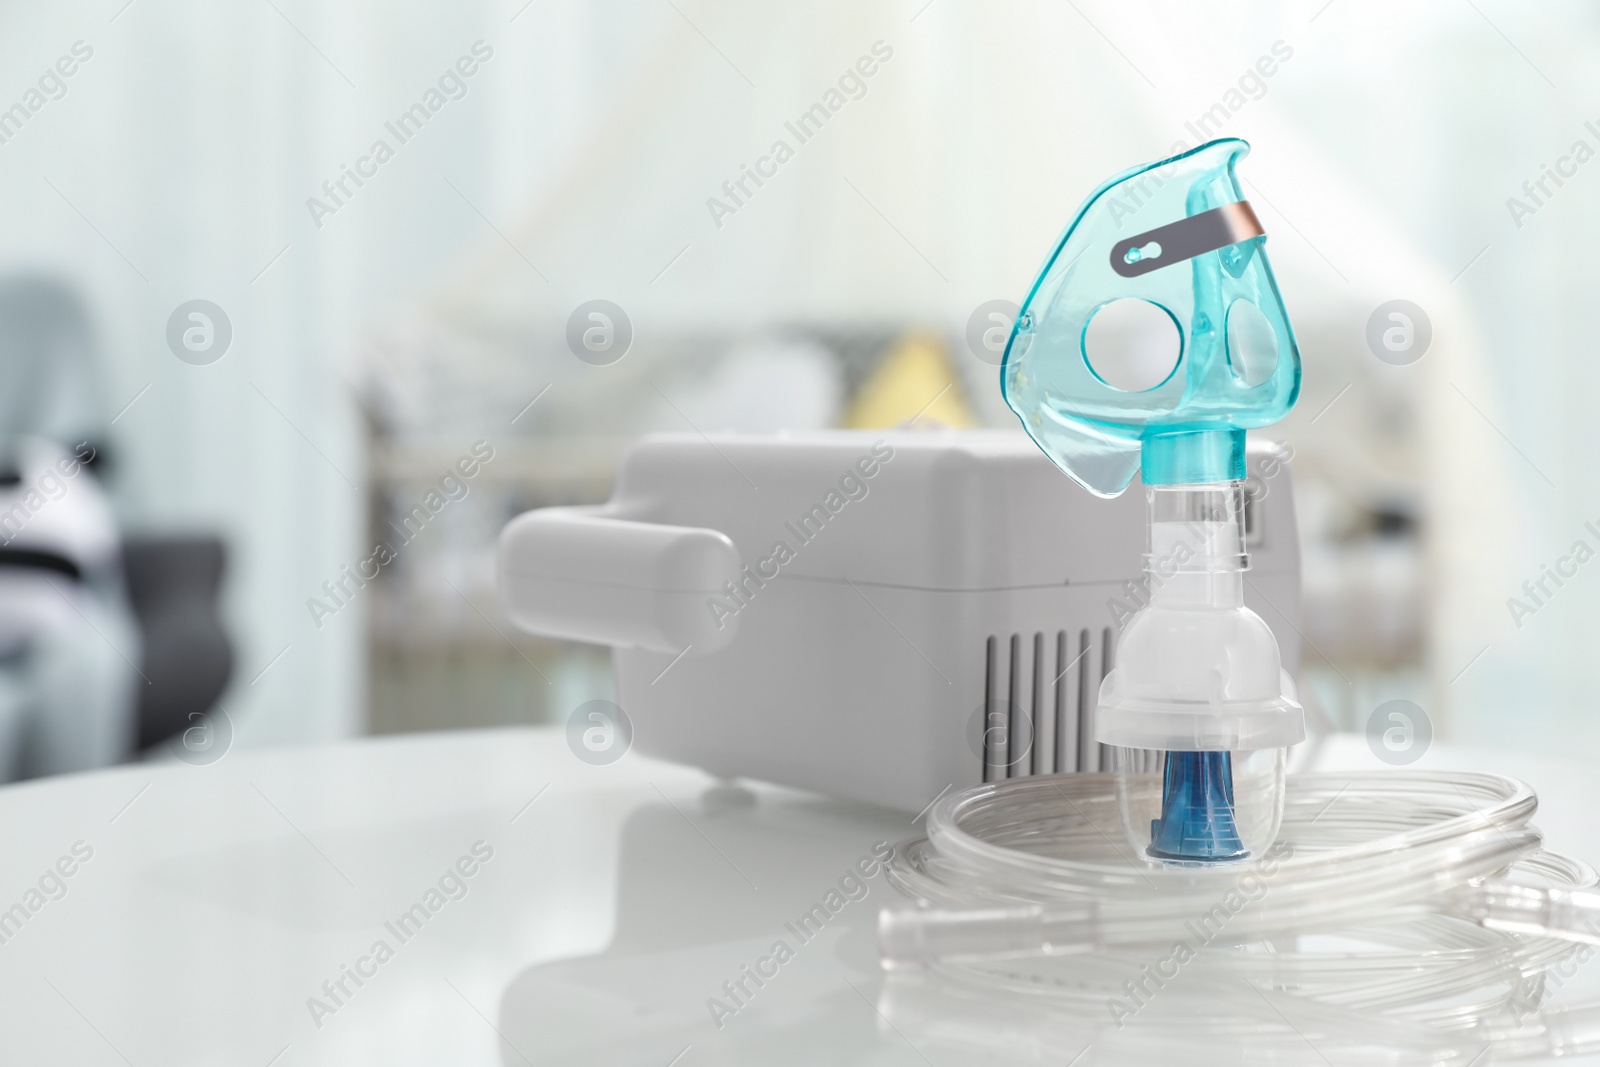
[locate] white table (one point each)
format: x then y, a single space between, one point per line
218 900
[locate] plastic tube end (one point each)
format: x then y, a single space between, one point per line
919 934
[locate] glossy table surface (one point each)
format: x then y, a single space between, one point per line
475 899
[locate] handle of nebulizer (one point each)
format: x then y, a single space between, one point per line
584 574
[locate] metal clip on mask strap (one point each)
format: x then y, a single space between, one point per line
1185 239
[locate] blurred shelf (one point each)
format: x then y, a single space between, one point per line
570 462
481 682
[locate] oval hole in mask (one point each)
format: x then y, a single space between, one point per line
1252 344
1132 344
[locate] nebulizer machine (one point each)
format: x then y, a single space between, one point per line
1196 887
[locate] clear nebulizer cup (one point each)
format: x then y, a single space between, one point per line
1199 712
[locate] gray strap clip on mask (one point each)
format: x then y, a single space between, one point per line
1185 239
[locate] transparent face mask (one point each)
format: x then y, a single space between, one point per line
1155 366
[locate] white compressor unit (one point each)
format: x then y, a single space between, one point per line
878 616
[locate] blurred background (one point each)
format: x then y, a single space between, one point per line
243 344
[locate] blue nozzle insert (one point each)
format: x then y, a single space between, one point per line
1197 810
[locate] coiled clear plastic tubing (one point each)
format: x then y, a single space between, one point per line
1410 914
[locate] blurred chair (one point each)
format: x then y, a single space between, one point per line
68 644
106 648
173 585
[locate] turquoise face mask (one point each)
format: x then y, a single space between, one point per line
1155 335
